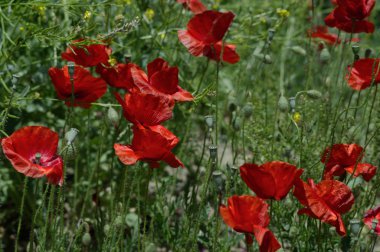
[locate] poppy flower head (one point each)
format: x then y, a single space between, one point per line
272 180
204 35
249 215
87 55
363 73
150 144
87 89
32 151
195 6
322 33
161 80
118 76
350 15
343 158
369 216
146 108
325 201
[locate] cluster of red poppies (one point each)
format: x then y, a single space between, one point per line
325 201
351 16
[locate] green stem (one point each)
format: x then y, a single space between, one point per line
21 212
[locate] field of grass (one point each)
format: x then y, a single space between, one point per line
289 103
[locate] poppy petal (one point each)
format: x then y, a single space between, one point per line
126 154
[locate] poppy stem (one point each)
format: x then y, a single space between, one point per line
21 212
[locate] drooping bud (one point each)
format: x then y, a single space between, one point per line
86 239
248 110
314 94
236 124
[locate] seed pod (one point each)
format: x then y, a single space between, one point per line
209 119
325 55
355 49
248 110
355 226
213 152
113 117
86 239
314 94
283 104
218 180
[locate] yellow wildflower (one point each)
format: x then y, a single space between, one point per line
149 14
283 13
297 117
87 14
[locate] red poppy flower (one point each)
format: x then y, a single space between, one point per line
363 73
87 89
272 180
343 158
249 215
322 33
32 151
325 201
349 16
204 35
195 6
118 76
145 108
161 79
369 216
150 144
87 55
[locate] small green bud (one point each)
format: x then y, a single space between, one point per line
119 222
131 219
267 59
113 117
299 50
314 94
283 104
106 229
325 55
86 239
355 226
248 110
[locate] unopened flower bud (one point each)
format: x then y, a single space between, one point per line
325 55
292 102
71 135
248 110
267 59
314 94
113 117
299 50
283 104
86 239
119 222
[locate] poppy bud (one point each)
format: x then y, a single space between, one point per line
325 55
113 117
283 104
267 59
237 123
71 68
86 239
248 109
367 53
132 220
71 135
314 94
209 119
355 226
299 50
71 152
213 152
